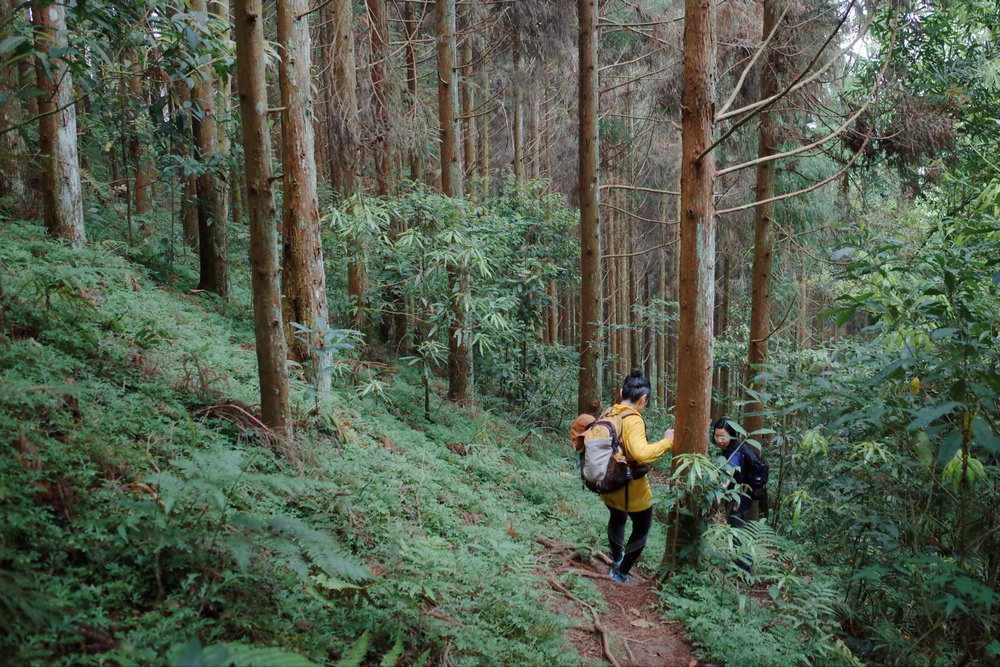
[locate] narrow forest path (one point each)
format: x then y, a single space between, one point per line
628 629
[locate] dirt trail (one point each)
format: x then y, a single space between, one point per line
629 632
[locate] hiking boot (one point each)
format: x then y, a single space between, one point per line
618 576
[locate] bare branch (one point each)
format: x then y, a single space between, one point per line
749 66
638 188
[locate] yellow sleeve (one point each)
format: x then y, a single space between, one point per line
638 448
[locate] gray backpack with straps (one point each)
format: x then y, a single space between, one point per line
604 466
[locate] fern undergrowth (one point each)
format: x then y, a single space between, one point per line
141 525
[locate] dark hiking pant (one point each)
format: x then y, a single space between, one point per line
628 553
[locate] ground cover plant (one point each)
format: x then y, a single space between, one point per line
144 511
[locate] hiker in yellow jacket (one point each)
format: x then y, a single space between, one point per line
635 500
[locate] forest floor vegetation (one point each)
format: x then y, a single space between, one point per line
148 520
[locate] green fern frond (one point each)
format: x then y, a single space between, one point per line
356 655
234 654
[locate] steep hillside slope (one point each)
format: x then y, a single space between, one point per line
145 516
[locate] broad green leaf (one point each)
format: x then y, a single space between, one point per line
926 415
985 436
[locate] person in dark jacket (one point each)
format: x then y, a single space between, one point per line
737 455
729 442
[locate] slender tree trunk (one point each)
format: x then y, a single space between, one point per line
347 151
553 319
763 249
468 99
589 389
211 221
483 76
530 127
13 151
459 352
697 257
517 102
138 95
720 398
611 289
661 339
223 112
302 274
411 23
269 328
62 196
381 91
632 278
189 196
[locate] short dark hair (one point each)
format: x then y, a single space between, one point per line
636 386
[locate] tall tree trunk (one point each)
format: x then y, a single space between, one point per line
661 339
468 99
720 398
223 112
763 249
483 76
346 149
138 96
459 352
211 219
13 151
381 91
588 388
697 257
553 313
517 102
62 196
189 197
411 23
269 330
394 324
302 275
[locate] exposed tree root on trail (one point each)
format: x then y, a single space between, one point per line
598 628
627 630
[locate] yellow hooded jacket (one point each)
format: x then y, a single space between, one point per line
638 450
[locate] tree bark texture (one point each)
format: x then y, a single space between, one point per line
211 190
411 23
588 386
269 330
697 259
483 77
13 152
763 247
459 362
346 149
517 104
661 340
379 34
302 273
468 99
189 197
62 195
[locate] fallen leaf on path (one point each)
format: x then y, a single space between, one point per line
643 623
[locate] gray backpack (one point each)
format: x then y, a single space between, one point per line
604 466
